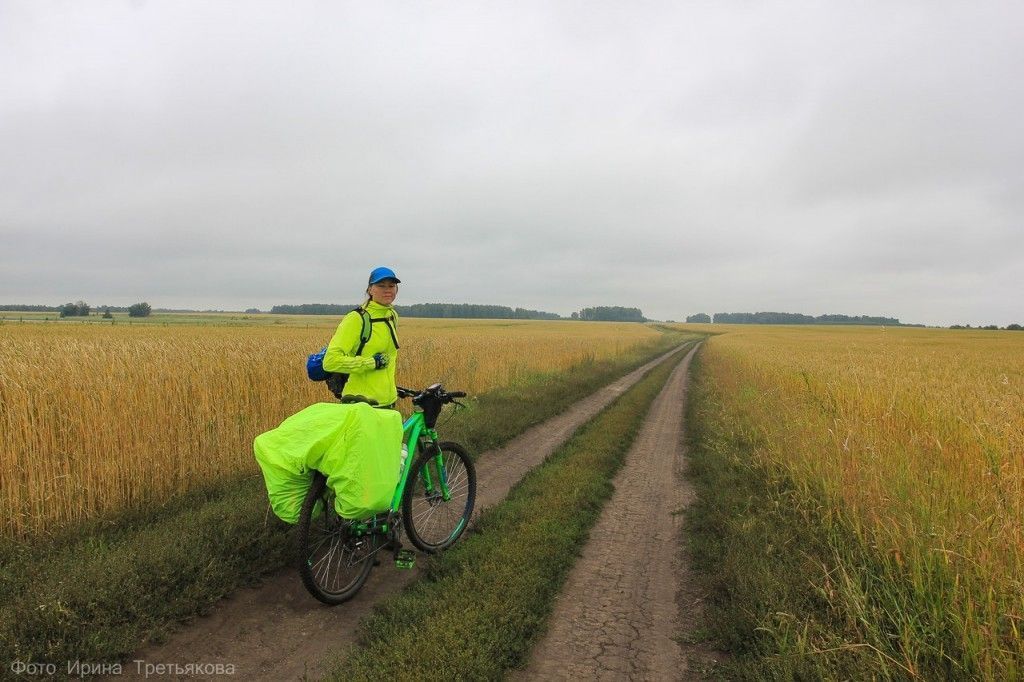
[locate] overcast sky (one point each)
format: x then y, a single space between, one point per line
679 157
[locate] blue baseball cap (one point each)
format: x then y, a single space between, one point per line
380 274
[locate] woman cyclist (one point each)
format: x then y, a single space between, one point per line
371 365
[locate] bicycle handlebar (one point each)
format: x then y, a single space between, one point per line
436 390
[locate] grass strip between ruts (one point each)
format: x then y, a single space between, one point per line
102 590
485 602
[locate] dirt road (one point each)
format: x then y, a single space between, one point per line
618 614
278 632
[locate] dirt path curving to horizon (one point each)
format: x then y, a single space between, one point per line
277 631
629 596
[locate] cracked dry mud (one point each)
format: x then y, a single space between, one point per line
629 597
277 631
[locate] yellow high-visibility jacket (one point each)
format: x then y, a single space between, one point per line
364 380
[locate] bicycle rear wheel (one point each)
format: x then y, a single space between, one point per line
333 563
432 522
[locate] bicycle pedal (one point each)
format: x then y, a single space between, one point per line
405 558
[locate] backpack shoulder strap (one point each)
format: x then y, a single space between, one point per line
389 322
367 329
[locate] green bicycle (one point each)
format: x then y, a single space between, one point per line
432 504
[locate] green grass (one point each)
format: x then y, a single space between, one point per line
100 591
485 602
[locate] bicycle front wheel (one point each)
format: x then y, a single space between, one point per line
439 497
333 563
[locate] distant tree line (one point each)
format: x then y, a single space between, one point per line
1010 327
312 309
22 308
80 309
473 311
610 314
450 310
793 318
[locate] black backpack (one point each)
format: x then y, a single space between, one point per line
336 380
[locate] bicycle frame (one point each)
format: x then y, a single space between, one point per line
414 427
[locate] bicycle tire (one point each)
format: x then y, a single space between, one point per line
432 523
332 564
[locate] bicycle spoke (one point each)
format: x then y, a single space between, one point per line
320 543
324 565
422 519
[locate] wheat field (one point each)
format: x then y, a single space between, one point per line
914 439
95 418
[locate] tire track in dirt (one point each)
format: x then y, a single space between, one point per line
617 616
277 631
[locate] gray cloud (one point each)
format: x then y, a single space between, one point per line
676 157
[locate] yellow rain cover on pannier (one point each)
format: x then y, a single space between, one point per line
357 447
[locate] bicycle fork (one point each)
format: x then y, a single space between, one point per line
441 490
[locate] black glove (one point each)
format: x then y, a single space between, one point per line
380 360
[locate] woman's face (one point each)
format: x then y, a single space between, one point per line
383 292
